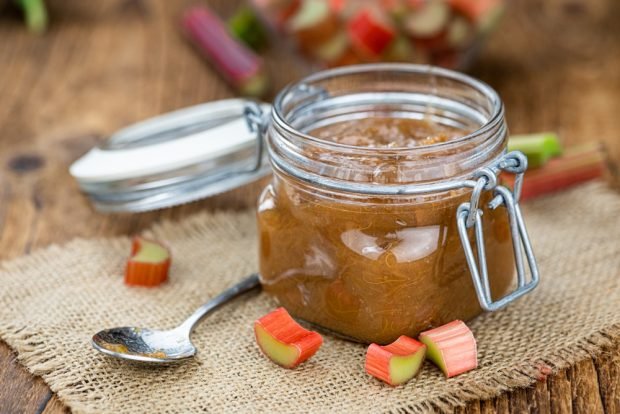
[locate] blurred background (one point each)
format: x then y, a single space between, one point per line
85 69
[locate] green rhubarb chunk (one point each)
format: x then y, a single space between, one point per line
248 28
538 148
35 14
277 351
255 86
151 253
434 354
403 368
311 12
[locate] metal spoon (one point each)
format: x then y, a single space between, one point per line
149 345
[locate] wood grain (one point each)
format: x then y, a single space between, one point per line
103 65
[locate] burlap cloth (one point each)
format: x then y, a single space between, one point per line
52 301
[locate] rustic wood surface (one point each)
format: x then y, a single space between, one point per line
105 64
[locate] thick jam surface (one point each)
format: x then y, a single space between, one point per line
383 132
378 268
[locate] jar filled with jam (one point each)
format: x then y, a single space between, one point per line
384 216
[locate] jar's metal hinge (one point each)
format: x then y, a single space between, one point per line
469 215
257 123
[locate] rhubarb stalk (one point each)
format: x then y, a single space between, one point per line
239 65
538 148
577 165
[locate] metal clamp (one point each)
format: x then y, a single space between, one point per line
469 215
257 123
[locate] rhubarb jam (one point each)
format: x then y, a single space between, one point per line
343 250
378 269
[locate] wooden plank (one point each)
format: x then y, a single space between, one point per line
560 392
487 407
608 370
518 401
55 406
502 404
541 398
584 388
20 391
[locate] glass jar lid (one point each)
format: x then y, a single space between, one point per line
176 158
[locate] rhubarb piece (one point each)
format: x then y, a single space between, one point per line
337 6
397 9
452 347
446 58
344 8
577 165
349 57
35 14
370 32
332 50
283 340
239 65
397 362
148 265
428 20
460 33
400 50
483 13
313 24
538 148
278 12
433 45
246 26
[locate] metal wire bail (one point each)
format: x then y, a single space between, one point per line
257 123
469 215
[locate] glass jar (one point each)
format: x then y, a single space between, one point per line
374 243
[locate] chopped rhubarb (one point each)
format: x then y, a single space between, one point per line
35 14
148 265
576 166
278 11
397 362
370 32
400 50
538 148
247 27
349 57
429 20
483 13
460 32
333 49
239 65
283 340
345 9
452 347
337 6
313 24
397 9
433 45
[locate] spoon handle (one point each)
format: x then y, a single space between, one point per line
244 286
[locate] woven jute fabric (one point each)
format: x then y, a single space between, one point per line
52 301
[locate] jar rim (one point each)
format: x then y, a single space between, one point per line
494 119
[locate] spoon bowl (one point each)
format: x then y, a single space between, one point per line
164 346
144 345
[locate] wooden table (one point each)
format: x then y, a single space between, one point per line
105 64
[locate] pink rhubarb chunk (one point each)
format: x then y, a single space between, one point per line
452 347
